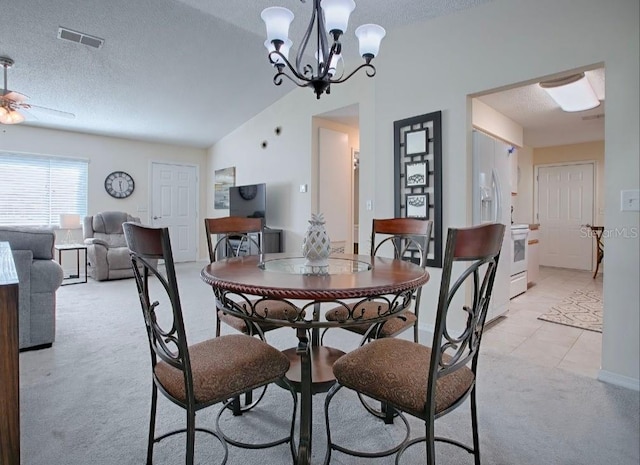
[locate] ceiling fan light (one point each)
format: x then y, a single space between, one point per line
573 93
284 49
277 20
336 14
370 36
11 117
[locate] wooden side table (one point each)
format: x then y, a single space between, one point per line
9 361
76 278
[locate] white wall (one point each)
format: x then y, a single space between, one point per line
500 43
523 202
490 121
288 160
108 154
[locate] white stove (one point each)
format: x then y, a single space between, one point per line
519 257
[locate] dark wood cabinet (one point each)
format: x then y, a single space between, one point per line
272 242
9 361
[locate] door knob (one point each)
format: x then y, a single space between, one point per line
157 217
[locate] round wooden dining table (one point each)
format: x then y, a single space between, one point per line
246 286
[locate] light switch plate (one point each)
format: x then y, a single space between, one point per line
303 188
630 200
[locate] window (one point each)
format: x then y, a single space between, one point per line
35 189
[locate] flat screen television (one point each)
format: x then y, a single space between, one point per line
248 201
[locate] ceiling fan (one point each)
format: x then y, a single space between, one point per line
12 104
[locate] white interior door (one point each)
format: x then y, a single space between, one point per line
335 187
565 203
174 204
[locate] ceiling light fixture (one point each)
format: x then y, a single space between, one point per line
8 114
572 93
13 103
329 19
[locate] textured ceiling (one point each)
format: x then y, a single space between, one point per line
183 71
544 122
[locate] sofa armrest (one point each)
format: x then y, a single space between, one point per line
97 250
46 276
96 241
23 260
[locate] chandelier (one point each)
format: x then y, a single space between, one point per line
329 21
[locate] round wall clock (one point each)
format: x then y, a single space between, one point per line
119 184
248 192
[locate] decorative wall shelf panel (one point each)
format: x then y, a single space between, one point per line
418 175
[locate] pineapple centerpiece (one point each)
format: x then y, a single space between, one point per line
316 245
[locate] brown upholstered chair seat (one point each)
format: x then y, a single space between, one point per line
247 363
369 310
272 309
395 371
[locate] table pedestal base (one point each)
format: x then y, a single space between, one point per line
322 360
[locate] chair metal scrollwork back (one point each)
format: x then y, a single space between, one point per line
408 239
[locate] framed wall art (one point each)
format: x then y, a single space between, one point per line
416 142
417 205
418 175
223 179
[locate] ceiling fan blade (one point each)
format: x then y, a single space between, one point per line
14 96
50 111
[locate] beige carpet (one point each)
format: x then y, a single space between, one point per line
581 309
86 400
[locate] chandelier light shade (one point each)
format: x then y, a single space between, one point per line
336 14
572 93
370 36
284 51
329 21
278 20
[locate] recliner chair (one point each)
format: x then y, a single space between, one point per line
107 251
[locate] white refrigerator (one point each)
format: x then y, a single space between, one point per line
492 204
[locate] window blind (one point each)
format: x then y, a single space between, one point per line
35 190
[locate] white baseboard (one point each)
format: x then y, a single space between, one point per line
619 380
425 335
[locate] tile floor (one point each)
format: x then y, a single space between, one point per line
521 334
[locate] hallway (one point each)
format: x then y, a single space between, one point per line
522 335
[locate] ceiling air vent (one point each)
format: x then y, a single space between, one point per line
79 37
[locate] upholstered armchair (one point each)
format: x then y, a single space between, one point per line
107 251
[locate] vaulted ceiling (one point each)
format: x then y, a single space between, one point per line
177 71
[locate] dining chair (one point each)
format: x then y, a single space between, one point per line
598 232
233 236
199 375
401 238
429 382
